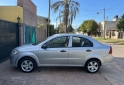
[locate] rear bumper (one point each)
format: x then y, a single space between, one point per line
107 59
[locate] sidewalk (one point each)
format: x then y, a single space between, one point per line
113 44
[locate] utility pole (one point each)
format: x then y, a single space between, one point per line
107 27
49 17
56 23
104 23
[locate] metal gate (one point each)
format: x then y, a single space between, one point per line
9 38
30 34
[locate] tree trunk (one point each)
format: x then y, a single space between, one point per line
123 34
66 16
119 34
66 25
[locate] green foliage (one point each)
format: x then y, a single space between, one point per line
61 28
69 9
84 26
51 30
79 28
120 24
92 26
41 26
70 28
88 26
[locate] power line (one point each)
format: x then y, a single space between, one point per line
118 4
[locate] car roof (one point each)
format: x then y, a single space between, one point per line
95 42
69 35
79 35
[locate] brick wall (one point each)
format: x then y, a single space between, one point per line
29 16
29 12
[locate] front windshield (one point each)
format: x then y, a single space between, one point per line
38 42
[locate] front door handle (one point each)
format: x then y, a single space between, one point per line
62 51
88 50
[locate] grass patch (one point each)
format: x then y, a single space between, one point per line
114 41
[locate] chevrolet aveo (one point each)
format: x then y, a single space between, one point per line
62 50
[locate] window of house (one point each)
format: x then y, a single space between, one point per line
107 33
113 33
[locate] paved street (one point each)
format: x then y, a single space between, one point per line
112 74
115 72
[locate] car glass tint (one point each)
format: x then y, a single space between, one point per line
81 42
86 43
58 42
76 42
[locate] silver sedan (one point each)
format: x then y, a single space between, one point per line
62 50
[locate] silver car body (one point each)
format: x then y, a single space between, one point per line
74 56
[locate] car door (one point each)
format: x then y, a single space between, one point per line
56 52
81 48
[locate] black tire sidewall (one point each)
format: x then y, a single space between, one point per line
32 60
86 66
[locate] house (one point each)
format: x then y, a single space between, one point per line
42 32
110 28
42 20
25 11
18 26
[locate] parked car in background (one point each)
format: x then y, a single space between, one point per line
63 50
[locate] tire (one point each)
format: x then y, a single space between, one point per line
92 66
27 65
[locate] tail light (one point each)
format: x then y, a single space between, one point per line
110 51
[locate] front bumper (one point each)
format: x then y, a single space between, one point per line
13 59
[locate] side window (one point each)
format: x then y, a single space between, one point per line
86 43
76 42
58 42
81 42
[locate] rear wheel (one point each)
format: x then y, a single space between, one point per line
27 65
92 66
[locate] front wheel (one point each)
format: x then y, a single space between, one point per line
92 66
27 65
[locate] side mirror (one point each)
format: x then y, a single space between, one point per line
44 46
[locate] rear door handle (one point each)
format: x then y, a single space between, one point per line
88 50
62 51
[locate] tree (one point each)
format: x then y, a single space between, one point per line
70 29
89 26
79 28
120 24
69 9
41 26
92 26
84 26
51 29
61 28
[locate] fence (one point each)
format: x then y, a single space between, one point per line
30 34
40 34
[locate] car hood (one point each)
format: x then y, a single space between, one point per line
26 47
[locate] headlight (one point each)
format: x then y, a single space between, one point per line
15 52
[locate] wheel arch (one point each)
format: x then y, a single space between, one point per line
92 56
28 55
93 59
24 58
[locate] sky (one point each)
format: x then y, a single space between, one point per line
89 9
